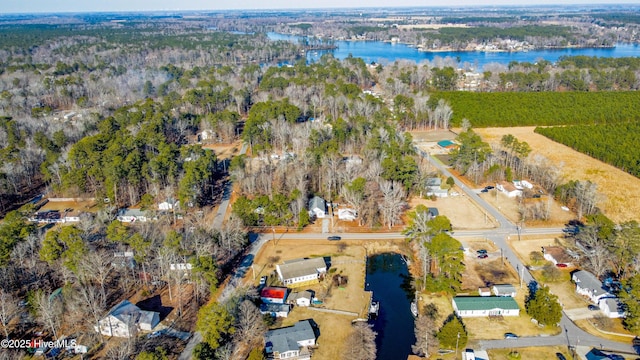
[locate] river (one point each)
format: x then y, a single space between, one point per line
385 52
388 278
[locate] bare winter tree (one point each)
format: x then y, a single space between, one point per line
594 250
8 310
250 328
49 312
361 344
426 341
392 205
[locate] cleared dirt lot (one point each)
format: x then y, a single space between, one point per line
509 208
620 202
463 213
224 151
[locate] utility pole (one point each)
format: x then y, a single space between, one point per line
457 341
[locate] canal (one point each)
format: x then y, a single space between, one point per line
388 277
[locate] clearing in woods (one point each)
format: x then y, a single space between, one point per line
619 203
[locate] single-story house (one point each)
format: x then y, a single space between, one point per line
206 135
595 354
275 310
72 216
504 290
301 298
301 271
478 306
347 214
589 286
132 215
612 307
521 184
434 187
557 255
509 189
125 319
169 204
291 342
317 207
273 295
484 291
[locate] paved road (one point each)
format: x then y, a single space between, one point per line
572 335
226 197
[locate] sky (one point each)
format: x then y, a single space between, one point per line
31 6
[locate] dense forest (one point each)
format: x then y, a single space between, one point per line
542 108
615 144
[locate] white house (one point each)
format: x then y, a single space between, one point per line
508 189
275 310
504 290
434 188
347 214
479 306
169 204
589 286
126 319
301 298
612 307
522 184
132 215
291 342
301 271
317 207
557 255
484 291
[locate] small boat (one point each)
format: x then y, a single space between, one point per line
414 309
374 308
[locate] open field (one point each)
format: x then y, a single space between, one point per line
463 213
618 202
509 208
83 206
530 353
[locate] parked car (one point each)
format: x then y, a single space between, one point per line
334 238
560 356
561 265
510 336
263 281
489 187
593 307
483 256
484 191
481 251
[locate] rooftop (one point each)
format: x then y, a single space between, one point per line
286 339
274 292
558 253
301 267
587 280
485 303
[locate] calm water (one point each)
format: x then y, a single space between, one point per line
384 53
388 278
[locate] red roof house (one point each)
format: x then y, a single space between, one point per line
273 295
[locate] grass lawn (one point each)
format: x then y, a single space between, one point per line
530 353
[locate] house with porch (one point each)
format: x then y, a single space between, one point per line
291 342
479 306
126 319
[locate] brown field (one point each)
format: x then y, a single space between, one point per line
84 206
530 353
463 213
224 151
509 208
620 201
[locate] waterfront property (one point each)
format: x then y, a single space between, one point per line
291 342
479 306
301 272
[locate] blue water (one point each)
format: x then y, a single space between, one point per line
384 53
388 278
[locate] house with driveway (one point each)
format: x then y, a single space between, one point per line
291 342
508 189
589 286
612 308
317 207
557 255
479 306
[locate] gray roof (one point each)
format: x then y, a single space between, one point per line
301 267
286 339
132 212
269 308
317 202
433 211
505 289
433 182
300 295
587 280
